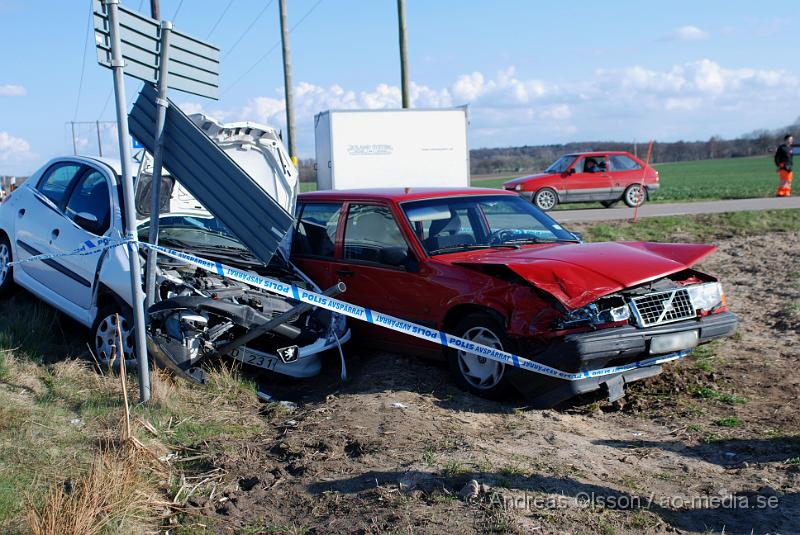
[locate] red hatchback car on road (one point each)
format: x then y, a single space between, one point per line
607 177
486 265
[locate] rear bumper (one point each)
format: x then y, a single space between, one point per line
605 348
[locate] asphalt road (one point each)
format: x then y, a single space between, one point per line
688 208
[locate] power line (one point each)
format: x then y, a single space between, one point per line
83 64
175 16
250 27
272 49
214 27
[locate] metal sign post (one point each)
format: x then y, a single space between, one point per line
158 156
117 65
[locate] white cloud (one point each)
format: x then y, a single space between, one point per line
13 148
12 90
686 33
509 109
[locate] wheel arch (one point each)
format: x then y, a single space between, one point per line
458 312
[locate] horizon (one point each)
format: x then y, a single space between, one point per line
535 75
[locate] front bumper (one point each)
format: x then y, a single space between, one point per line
308 363
605 348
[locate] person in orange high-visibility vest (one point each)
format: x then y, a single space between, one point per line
784 160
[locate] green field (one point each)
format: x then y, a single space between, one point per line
730 178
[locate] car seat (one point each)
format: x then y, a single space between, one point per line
444 233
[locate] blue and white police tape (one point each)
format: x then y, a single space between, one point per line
89 247
360 313
390 322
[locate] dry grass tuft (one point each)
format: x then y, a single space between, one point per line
111 495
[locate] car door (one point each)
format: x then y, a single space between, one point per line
624 172
83 213
382 272
582 185
314 241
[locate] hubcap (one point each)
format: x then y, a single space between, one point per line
545 200
634 195
106 336
5 256
480 372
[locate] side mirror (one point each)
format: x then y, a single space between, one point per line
569 172
88 222
396 257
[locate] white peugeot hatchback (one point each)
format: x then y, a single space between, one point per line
74 199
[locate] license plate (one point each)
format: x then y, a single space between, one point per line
670 343
242 354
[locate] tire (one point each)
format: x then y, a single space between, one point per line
6 271
545 199
609 204
632 193
481 376
103 333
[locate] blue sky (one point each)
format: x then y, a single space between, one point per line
532 72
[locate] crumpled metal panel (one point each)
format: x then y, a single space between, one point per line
212 177
579 274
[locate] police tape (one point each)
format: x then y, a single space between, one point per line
396 324
368 315
86 248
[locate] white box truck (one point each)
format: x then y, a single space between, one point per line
392 148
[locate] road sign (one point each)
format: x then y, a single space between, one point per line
193 65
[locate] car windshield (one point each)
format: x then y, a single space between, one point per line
560 165
480 222
193 231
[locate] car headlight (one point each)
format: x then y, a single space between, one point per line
518 187
338 326
707 296
591 314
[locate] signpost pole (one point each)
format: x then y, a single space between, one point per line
117 66
155 189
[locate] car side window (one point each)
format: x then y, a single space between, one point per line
89 205
371 235
56 182
620 162
316 229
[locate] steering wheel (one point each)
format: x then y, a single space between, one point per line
502 235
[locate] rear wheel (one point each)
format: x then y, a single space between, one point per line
545 199
6 271
104 333
478 374
634 195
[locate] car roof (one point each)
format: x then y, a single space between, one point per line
599 153
396 194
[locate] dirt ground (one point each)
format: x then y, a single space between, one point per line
711 445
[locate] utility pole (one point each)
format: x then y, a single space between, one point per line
155 9
401 21
99 143
287 82
74 143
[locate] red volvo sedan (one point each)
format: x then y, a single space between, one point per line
486 265
608 177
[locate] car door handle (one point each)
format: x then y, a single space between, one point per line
54 234
344 272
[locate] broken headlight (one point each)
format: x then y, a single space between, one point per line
593 315
706 297
338 327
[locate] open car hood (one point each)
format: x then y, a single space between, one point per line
578 274
239 173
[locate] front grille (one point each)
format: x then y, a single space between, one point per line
663 307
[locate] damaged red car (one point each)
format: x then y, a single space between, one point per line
488 266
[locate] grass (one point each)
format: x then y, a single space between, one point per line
730 421
709 227
725 397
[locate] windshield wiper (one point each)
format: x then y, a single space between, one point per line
464 246
540 240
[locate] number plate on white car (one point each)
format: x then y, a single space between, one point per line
670 343
254 359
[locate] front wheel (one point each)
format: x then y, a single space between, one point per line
6 271
104 333
634 195
545 199
478 374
